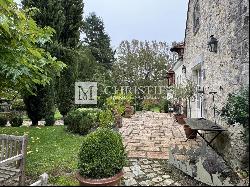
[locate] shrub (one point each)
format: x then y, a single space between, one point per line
3 120
50 120
165 105
150 104
237 107
81 120
18 105
106 118
118 102
102 154
16 120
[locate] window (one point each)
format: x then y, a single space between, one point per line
196 16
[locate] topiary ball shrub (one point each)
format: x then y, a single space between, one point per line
3 120
16 120
102 154
80 121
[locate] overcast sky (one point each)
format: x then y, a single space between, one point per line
161 20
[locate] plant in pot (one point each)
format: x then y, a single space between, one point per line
128 110
179 92
189 91
118 119
101 159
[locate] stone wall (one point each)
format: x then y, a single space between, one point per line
223 72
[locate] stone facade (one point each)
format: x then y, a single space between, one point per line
223 72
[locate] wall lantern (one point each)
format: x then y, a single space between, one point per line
213 44
170 77
184 69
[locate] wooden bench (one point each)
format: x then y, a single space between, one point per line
12 161
43 180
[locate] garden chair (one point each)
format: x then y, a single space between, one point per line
12 161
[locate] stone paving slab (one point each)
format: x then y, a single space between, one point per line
149 172
149 135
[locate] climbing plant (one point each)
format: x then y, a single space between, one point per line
236 109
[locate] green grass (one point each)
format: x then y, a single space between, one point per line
155 109
51 150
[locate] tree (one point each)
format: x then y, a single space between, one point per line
81 67
34 105
50 13
141 64
73 12
22 63
98 40
66 18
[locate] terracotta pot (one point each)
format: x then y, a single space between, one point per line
128 111
118 121
189 131
112 181
180 118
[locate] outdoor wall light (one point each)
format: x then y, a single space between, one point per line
184 69
213 44
201 90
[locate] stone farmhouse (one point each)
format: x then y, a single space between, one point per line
215 55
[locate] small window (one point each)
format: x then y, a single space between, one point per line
196 16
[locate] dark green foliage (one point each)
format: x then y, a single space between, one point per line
80 121
104 79
102 154
51 13
41 105
3 120
34 105
50 120
49 103
73 12
16 120
165 105
237 107
81 67
65 16
18 105
98 41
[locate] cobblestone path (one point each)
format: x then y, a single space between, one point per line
149 135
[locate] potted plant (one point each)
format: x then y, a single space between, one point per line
101 159
189 90
128 110
179 94
190 133
118 119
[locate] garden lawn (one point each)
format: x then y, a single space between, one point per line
51 150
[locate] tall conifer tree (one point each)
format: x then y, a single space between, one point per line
98 40
66 17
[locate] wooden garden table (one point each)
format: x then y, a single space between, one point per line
202 124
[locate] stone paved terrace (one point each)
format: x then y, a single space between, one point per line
149 135
152 172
